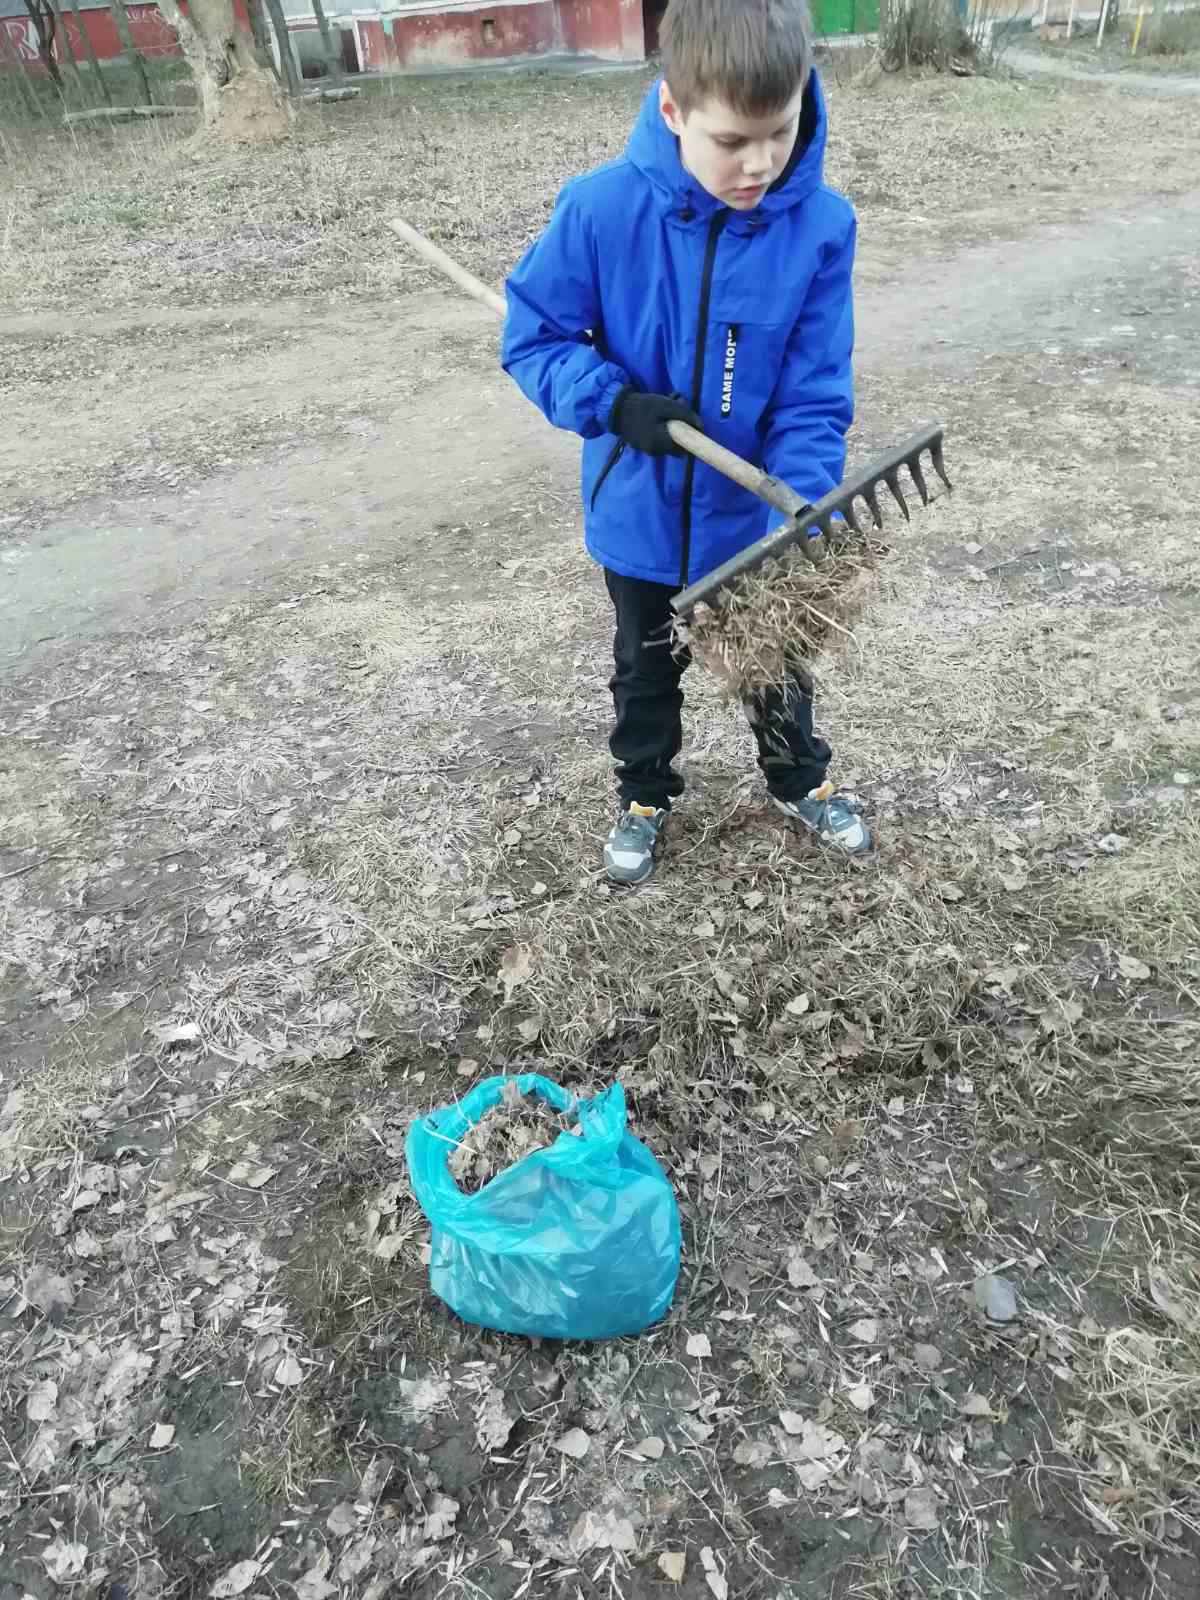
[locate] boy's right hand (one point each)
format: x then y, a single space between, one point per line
641 421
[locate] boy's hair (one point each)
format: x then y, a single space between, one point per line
752 55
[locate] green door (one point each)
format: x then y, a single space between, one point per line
845 16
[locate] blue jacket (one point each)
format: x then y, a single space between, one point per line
643 277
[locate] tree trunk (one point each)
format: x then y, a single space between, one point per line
97 73
20 73
239 101
263 53
43 21
125 34
68 54
283 40
333 58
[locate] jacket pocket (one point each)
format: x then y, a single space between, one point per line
614 455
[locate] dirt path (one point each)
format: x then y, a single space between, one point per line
396 445
1139 82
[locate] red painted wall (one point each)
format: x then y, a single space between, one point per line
613 29
610 28
152 34
486 32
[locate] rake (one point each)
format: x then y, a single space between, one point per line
816 532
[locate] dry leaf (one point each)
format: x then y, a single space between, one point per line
798 1006
162 1436
800 1274
516 968
439 1522
651 1449
673 1564
698 1346
791 1422
1173 1301
314 1585
866 1331
861 1396
48 1291
343 1519
713 1575
820 1442
528 1030
921 1508
178 1033
390 1245
1131 967
236 1581
574 1443
927 1356
289 1372
42 1401
976 1405
64 1558
602 1530
492 1423
356 1558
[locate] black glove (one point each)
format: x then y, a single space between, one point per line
641 421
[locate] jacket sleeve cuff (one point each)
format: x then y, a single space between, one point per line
608 397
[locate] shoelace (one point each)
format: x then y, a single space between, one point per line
642 828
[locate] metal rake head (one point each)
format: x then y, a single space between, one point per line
865 485
809 529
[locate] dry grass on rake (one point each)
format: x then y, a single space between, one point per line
786 614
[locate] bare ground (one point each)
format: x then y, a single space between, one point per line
308 734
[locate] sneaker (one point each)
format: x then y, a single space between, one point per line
633 844
831 817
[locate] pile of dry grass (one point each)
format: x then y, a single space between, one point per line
772 624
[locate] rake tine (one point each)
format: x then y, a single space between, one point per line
918 477
871 496
814 530
892 479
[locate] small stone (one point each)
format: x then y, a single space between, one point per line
997 1297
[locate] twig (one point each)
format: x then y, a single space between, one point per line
78 694
19 872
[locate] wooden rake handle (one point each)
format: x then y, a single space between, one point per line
760 483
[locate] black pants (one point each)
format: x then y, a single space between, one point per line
648 730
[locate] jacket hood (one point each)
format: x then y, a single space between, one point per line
654 151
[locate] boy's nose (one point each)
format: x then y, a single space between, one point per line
757 163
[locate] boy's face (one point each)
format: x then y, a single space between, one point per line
736 158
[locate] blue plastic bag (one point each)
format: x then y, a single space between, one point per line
577 1241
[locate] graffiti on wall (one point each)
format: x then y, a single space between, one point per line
152 36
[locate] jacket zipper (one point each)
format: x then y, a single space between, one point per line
710 256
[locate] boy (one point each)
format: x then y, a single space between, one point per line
705 277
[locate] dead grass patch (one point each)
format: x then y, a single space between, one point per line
476 165
1144 899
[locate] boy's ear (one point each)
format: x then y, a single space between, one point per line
669 106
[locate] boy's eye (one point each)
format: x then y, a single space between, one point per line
730 144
